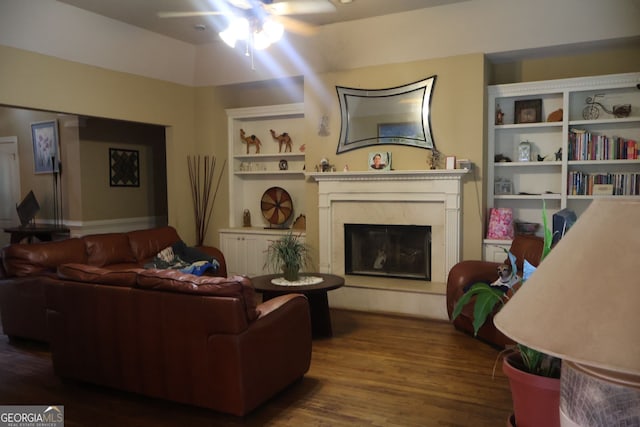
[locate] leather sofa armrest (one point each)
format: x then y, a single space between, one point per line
273 304
467 273
217 254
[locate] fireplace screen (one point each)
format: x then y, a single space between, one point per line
402 251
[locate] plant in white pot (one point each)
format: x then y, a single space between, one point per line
534 377
288 254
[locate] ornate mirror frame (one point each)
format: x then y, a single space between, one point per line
395 116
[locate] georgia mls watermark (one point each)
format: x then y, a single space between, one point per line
31 416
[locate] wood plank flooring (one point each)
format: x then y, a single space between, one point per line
377 370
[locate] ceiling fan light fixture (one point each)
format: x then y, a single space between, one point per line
260 40
238 29
274 29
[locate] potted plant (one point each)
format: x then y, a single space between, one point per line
534 377
288 254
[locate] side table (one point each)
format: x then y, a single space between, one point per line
316 294
44 233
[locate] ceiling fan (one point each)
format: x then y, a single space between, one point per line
258 12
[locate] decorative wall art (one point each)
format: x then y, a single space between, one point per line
399 115
46 158
124 167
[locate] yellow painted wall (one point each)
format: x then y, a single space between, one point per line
457 124
624 59
41 82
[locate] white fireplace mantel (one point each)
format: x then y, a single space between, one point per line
395 175
438 185
424 197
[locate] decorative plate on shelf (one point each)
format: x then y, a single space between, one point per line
276 205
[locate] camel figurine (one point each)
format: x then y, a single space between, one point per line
251 140
282 139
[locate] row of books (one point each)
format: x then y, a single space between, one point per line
624 183
584 145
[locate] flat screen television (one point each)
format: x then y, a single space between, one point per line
28 208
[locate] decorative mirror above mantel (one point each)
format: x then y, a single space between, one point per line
394 116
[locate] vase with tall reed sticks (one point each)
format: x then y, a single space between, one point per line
202 180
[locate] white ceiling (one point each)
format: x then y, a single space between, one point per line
143 14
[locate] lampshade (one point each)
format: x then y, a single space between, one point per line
582 304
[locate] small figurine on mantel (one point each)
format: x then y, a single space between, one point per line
435 158
250 140
283 139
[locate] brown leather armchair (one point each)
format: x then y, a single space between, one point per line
469 272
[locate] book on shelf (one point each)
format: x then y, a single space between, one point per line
585 145
582 183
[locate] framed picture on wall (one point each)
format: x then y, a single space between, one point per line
124 168
46 157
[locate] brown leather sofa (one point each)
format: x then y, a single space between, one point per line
25 268
161 333
466 273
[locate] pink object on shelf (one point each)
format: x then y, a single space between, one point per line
500 224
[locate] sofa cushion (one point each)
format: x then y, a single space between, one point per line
145 244
109 248
176 281
22 260
93 274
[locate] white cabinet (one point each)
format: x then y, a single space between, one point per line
560 171
245 249
494 250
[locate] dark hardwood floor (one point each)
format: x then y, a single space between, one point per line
376 371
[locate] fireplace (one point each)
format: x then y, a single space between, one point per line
387 250
430 198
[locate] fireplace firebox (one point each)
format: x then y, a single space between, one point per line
402 251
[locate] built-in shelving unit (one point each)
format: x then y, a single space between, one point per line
561 181
252 173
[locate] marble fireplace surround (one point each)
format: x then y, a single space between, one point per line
431 197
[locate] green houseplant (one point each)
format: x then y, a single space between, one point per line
288 254
534 377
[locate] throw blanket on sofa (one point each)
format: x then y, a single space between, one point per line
181 257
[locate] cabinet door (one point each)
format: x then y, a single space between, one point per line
254 254
495 252
232 248
244 253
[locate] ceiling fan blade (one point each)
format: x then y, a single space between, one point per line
302 7
296 26
188 14
241 4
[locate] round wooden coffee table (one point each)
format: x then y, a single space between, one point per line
316 294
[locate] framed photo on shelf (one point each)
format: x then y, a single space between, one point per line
380 160
528 111
46 157
502 187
